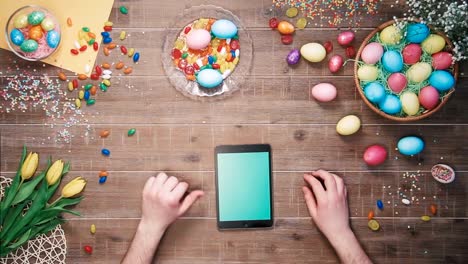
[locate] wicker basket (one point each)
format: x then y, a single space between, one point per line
380 112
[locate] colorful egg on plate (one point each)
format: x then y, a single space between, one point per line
417 33
285 28
429 97
293 57
390 35
412 53
442 80
372 53
345 38
224 29
391 104
16 37
53 39
442 60
392 61
29 45
198 39
410 145
36 17
397 82
348 125
367 73
21 21
335 63
374 92
419 72
410 103
433 44
209 78
375 155
36 33
313 52
443 173
324 92
47 24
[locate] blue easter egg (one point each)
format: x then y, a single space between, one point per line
392 61
375 92
16 37
410 145
53 39
391 104
442 80
417 33
209 78
224 29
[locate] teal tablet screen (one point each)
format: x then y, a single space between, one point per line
244 186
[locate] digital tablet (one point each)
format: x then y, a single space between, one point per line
243 186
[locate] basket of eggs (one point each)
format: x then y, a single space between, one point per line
405 71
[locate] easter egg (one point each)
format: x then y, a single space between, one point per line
410 103
367 73
374 92
285 28
429 97
417 32
391 104
348 125
335 63
35 33
442 80
53 39
390 35
442 60
397 82
198 39
47 24
375 155
410 145
224 29
29 45
392 61
433 44
443 173
313 52
20 21
324 92
411 53
345 38
372 53
293 57
16 37
36 17
419 72
209 78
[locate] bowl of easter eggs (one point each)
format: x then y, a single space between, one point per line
404 70
33 33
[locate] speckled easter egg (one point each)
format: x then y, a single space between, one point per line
209 78
224 29
35 33
417 32
36 17
392 61
198 39
16 37
372 53
390 35
410 103
324 92
20 21
442 60
433 44
391 104
348 125
293 57
313 52
47 24
429 97
53 39
419 72
411 53
29 45
397 82
335 63
442 80
374 92
410 145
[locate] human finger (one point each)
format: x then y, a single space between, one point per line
317 188
189 200
310 201
170 184
329 180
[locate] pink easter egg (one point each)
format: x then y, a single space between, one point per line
198 39
324 92
375 155
372 53
345 38
429 97
335 63
412 53
397 82
442 60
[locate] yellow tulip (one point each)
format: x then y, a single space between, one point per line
29 166
54 172
74 187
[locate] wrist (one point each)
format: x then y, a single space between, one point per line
151 228
344 237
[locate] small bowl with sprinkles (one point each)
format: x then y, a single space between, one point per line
33 33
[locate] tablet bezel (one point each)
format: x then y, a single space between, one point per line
244 223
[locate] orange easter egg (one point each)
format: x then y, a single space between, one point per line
35 32
284 27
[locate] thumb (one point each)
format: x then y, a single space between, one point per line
189 200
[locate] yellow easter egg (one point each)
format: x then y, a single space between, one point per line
419 72
21 21
410 103
390 35
348 125
433 44
47 24
367 73
313 52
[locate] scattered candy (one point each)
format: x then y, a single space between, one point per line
92 229
433 209
136 57
122 35
102 179
119 65
313 52
287 39
380 204
103 173
350 52
105 152
123 10
82 76
90 102
425 218
104 133
273 23
292 12
88 249
128 70
131 132
370 215
405 201
62 76
69 22
78 103
328 45
293 57
373 225
301 23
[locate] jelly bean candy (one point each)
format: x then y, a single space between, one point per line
62 76
136 57
82 76
130 52
105 65
380 204
98 70
104 133
273 23
350 52
70 86
108 23
69 22
78 103
105 34
83 48
102 179
182 64
122 35
292 12
210 60
90 102
75 83
425 218
123 10
92 229
105 152
234 44
74 51
287 39
106 82
131 132
373 225
370 215
103 87
86 95
433 209
85 29
107 40
103 173
328 46
187 30
128 70
94 76
189 70
81 94
107 28
123 49
88 249
95 46
119 65
93 90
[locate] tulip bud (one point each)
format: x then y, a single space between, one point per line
54 172
74 187
29 166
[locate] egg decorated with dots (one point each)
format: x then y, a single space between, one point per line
36 17
29 45
20 21
53 38
16 37
47 24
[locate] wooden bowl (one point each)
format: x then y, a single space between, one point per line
392 117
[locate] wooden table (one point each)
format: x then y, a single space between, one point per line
178 135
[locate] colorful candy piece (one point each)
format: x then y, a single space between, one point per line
123 10
380 204
373 225
131 132
136 57
105 152
88 249
102 180
92 229
104 133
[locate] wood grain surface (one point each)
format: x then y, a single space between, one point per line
178 135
